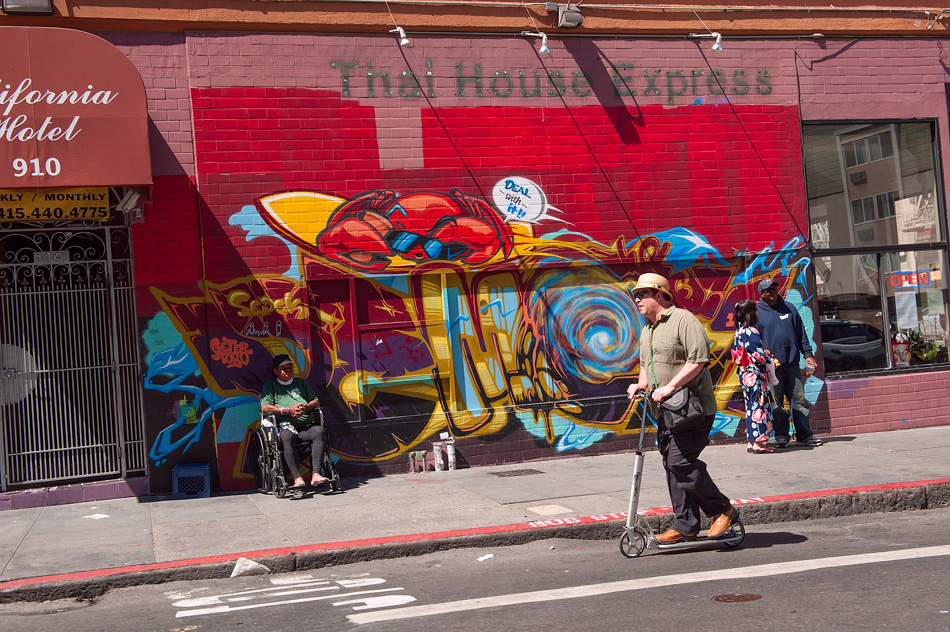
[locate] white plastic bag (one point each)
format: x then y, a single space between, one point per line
770 373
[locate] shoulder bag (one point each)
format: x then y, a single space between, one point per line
682 411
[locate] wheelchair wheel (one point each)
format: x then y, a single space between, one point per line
335 485
280 486
261 471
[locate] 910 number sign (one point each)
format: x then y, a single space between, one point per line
50 167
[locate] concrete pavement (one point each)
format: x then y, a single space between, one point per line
85 549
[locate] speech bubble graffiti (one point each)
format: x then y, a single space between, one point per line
520 199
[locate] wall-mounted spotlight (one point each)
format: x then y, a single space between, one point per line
403 40
544 41
717 45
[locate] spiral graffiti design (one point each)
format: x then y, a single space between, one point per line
589 327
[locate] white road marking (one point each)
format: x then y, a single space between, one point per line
221 609
279 580
216 599
386 601
745 572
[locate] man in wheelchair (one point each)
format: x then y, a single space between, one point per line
291 400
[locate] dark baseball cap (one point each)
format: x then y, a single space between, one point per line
765 284
280 360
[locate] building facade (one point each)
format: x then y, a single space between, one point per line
442 232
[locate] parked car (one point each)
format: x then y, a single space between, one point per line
851 345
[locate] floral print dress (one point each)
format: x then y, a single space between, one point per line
750 358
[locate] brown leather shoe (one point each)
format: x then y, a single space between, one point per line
722 522
672 536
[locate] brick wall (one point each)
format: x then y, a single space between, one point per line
626 138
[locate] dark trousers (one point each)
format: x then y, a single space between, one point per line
310 434
691 487
789 388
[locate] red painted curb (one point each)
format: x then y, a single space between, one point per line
438 535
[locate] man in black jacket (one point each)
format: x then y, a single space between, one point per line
784 335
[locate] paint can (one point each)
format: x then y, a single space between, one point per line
450 453
417 461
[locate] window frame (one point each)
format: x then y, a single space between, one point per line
880 252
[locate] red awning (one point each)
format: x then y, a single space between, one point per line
72 112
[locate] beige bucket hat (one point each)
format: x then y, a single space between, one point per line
651 281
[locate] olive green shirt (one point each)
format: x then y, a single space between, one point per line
676 339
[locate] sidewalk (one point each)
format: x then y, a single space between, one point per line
84 549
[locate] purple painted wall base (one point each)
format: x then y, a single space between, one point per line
81 492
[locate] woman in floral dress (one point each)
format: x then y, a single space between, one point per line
751 359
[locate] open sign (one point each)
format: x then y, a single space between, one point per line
916 278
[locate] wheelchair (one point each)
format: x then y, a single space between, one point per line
269 467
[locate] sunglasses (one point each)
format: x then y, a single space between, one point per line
642 294
770 290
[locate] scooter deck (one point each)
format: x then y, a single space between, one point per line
700 541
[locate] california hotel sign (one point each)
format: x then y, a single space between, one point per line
72 112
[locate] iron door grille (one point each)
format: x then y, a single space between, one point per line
71 399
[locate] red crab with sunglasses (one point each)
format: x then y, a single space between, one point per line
371 230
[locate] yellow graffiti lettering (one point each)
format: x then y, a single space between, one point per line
249 307
236 299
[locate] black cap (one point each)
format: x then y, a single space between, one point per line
765 284
280 360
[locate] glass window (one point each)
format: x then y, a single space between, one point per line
863 210
885 203
872 200
917 306
864 150
875 144
891 194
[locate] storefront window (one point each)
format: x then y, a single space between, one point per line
916 285
875 216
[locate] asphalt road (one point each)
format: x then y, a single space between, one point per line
873 572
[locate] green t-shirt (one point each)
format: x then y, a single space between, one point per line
677 338
285 396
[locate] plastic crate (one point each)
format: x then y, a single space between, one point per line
191 481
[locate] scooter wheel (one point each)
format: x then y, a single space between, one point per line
632 543
736 531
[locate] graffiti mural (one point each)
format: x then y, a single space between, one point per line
418 312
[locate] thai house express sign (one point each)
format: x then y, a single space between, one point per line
371 81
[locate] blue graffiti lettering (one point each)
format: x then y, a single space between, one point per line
511 186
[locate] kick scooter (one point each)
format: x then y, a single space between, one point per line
638 534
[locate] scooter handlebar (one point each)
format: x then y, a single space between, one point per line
640 393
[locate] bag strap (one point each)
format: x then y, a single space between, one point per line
652 368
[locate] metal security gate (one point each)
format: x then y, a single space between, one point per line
71 398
